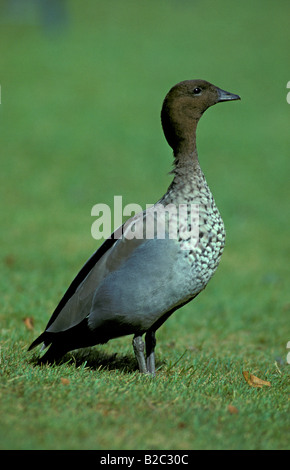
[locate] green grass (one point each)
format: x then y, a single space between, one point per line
79 124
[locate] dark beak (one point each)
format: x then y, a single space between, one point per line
226 96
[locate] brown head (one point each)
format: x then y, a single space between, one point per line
182 108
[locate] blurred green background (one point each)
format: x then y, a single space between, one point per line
82 84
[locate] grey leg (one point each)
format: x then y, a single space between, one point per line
138 345
150 341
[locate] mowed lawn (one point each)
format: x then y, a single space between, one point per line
81 94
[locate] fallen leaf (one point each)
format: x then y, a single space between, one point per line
181 425
254 381
64 381
9 260
29 323
233 410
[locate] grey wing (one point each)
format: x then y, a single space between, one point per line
131 286
151 282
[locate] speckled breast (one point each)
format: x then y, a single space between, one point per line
203 253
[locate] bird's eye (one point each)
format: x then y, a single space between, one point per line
197 91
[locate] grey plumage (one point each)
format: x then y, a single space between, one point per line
131 286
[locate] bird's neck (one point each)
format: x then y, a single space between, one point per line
180 132
188 178
185 157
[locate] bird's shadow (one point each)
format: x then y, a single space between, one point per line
95 359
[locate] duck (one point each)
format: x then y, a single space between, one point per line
132 284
